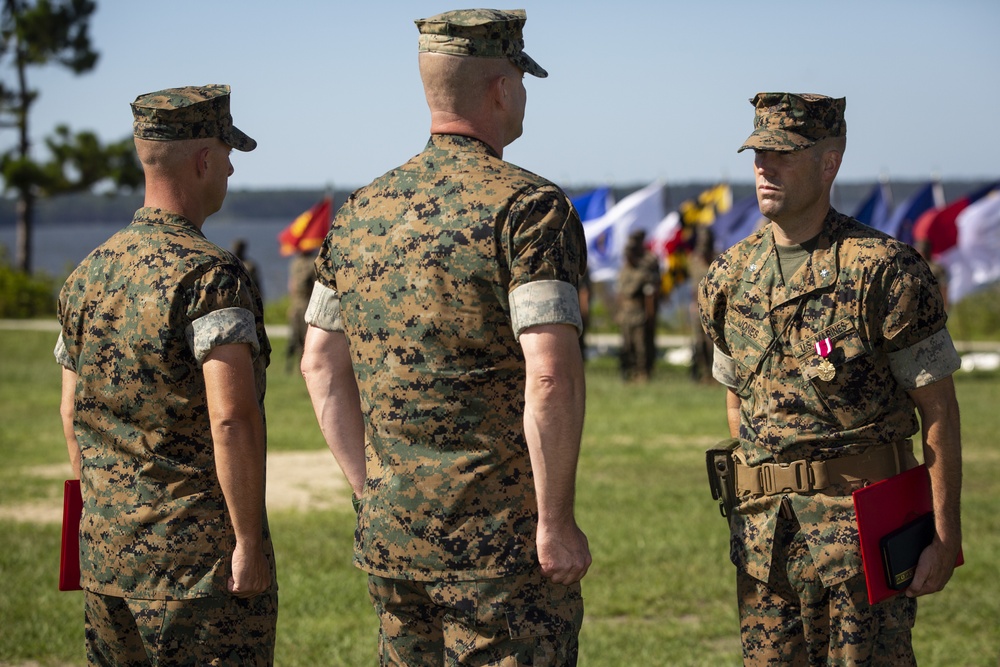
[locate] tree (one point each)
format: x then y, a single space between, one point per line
34 34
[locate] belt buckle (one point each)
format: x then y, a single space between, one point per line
795 479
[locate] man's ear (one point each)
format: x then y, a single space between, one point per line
500 90
201 160
831 164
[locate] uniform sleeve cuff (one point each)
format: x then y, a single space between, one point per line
225 326
932 359
62 355
324 309
724 368
544 302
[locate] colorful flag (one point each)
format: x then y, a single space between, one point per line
707 206
593 204
975 259
606 235
736 224
900 224
672 244
937 226
874 211
306 233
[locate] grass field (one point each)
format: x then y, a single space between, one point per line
661 590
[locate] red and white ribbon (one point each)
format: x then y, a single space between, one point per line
824 347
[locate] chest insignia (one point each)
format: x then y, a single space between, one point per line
826 370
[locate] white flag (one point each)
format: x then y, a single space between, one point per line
974 261
606 235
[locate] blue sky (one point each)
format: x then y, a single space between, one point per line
637 90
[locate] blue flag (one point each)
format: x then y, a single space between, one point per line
737 223
874 211
900 223
593 204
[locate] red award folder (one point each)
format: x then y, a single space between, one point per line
884 507
69 553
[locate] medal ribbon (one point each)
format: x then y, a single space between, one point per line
824 347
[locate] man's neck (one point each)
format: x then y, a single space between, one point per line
798 230
448 123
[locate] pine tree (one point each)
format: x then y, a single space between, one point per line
35 34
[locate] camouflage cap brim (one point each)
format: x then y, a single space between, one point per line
238 139
781 141
528 64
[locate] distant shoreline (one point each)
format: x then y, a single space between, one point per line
289 203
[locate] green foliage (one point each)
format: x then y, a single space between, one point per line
23 295
80 161
661 590
50 30
35 34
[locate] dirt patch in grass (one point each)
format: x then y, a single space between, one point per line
297 481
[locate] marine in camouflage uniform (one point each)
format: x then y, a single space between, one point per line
301 278
829 335
159 327
443 348
638 293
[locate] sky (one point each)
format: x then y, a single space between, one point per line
638 90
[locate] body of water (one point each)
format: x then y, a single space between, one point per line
58 247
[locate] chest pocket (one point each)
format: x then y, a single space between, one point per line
749 351
856 390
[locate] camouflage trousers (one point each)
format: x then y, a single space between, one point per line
638 354
522 620
221 631
792 619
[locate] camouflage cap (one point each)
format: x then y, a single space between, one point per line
789 122
484 33
192 112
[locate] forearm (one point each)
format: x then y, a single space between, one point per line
555 397
733 413
942 449
239 460
333 390
67 412
237 428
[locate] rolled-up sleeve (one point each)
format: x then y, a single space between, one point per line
222 327
324 309
62 355
545 302
926 362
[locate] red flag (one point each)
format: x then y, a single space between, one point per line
937 225
306 233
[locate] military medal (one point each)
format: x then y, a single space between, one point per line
826 370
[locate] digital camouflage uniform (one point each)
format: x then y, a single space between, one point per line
638 282
139 316
874 298
432 271
421 264
301 278
877 303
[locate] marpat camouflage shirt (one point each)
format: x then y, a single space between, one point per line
139 315
432 271
875 300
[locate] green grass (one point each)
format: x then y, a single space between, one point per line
661 590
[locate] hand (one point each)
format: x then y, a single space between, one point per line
934 569
251 575
563 553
